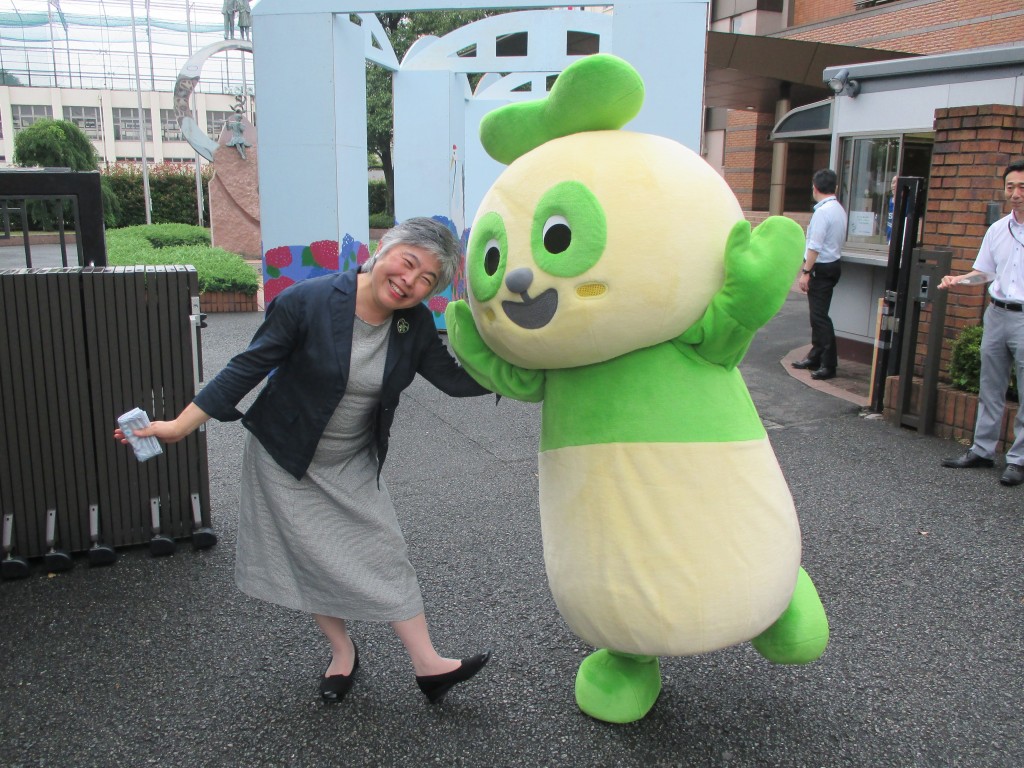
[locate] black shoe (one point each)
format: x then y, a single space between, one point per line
805 364
1012 475
823 373
334 688
435 687
969 460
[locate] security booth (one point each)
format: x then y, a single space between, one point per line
914 118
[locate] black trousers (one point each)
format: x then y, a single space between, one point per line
819 299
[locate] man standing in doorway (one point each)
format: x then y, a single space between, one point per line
1001 262
825 237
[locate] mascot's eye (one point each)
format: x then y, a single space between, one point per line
492 257
486 256
557 235
569 230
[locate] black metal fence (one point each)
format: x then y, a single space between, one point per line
81 346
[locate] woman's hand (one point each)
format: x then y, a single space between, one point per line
188 421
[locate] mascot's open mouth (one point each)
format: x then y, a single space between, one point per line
532 313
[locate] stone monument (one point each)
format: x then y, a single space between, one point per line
234 191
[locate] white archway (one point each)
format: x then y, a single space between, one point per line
310 73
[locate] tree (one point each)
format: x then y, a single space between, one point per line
403 29
6 78
55 144
60 144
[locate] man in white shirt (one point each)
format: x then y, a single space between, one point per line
825 237
1000 261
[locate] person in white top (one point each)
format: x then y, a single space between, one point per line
822 267
1000 262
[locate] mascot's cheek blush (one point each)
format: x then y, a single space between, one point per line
591 290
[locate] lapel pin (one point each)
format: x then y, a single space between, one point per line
403 325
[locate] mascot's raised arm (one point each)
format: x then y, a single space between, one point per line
612 275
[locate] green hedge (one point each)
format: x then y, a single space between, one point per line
378 199
172 189
217 269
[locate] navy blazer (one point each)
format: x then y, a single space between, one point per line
307 336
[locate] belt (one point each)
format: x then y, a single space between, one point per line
1008 305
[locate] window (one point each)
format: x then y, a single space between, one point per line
512 44
169 128
23 115
215 122
126 124
867 168
86 118
581 43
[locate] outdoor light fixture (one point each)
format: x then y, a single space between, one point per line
841 83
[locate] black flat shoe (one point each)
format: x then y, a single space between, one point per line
969 460
805 364
334 688
435 687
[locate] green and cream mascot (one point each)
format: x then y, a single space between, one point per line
612 275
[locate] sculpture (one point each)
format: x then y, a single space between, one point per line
244 17
237 129
228 9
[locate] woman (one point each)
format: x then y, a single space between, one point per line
317 530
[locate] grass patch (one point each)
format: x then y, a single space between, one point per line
217 269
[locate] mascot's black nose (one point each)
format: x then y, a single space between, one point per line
519 280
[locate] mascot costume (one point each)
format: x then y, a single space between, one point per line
612 275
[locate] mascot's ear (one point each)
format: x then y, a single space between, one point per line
597 93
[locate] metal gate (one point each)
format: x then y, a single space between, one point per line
82 345
54 187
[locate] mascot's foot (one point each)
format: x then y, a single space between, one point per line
800 634
617 687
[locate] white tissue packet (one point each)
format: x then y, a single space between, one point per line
144 447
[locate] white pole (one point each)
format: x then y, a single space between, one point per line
149 37
53 50
142 123
195 113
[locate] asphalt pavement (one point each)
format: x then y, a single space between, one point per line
164 662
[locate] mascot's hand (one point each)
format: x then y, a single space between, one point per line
463 335
482 364
759 270
760 267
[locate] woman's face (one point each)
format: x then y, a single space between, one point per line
404 276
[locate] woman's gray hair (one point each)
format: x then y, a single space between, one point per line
432 236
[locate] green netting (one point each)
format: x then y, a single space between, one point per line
41 23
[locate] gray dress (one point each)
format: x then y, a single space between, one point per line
329 543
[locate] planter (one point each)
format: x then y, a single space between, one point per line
228 302
955 412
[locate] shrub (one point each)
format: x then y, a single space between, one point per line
378 199
170 235
216 269
965 359
381 221
965 362
172 189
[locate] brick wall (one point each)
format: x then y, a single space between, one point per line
973 145
914 26
748 157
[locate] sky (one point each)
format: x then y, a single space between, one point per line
95 50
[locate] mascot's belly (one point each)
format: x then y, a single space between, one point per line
668 549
